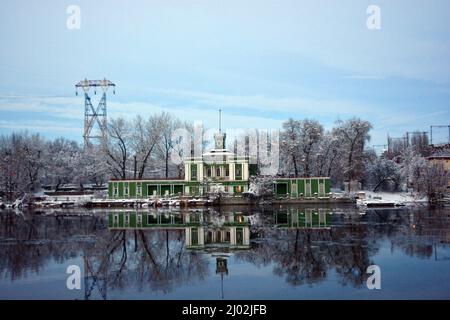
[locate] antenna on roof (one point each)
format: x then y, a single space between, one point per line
220 120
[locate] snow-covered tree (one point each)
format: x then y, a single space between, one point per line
311 132
62 162
328 155
384 174
12 176
290 147
300 144
91 167
261 187
34 160
353 135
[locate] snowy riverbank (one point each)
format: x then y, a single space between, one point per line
370 198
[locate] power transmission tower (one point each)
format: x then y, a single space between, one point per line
93 116
439 126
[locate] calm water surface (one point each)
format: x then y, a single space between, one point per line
238 253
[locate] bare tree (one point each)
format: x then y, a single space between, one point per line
167 143
146 135
117 147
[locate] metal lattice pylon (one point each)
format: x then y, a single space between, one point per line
94 117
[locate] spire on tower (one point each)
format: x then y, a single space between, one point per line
220 120
219 137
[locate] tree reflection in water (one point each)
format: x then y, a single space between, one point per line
164 252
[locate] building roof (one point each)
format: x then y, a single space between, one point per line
444 154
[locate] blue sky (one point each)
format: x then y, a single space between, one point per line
259 61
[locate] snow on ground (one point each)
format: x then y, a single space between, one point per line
393 197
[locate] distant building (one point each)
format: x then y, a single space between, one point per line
442 158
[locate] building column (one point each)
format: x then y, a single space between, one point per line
245 171
200 171
187 171
201 236
232 174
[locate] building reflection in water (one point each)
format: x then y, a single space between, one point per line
206 231
317 218
218 234
211 232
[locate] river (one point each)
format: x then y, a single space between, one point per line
291 252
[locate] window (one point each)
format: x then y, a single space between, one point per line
238 171
127 219
139 219
126 188
239 236
193 172
116 219
115 190
209 172
138 189
227 172
218 172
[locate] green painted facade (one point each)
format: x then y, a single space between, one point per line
303 218
145 219
143 189
200 232
314 187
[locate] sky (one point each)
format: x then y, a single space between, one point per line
259 61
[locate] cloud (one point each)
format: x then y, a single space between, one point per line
309 106
40 126
365 77
209 116
63 107
65 114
